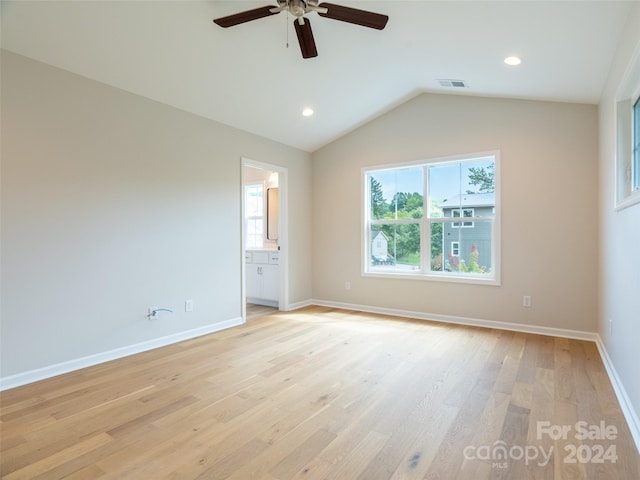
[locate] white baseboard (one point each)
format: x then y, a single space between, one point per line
31 376
298 305
472 322
262 301
625 402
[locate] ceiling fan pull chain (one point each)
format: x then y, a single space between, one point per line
286 27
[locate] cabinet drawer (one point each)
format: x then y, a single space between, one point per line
260 257
274 258
248 257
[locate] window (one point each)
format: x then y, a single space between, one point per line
466 212
412 224
254 215
635 167
628 137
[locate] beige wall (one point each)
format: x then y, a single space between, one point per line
548 155
620 240
112 203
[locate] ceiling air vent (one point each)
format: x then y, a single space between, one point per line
447 82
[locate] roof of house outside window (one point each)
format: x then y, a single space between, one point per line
470 200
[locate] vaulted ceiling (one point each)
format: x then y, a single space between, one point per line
247 77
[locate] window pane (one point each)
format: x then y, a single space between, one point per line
255 233
462 184
444 186
437 247
397 193
395 247
465 250
254 226
253 211
253 201
636 145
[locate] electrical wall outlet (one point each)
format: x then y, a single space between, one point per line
610 327
526 301
188 305
347 285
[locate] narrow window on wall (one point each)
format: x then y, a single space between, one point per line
635 168
254 215
628 138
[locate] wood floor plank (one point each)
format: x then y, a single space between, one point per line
417 459
322 393
44 465
361 455
301 455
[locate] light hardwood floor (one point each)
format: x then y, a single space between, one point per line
255 310
325 394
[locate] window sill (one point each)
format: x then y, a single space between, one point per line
434 277
628 201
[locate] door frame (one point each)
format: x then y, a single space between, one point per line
283 232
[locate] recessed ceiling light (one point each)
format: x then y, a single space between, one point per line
307 112
513 61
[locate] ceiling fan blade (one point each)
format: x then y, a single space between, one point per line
305 38
314 8
243 17
354 15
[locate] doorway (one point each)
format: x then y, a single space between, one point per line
264 238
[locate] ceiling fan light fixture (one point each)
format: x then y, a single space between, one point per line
513 61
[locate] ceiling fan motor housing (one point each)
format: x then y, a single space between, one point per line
297 8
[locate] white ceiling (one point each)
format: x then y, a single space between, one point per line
246 77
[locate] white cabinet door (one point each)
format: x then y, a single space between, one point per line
270 282
254 281
262 278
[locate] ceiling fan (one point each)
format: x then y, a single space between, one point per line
298 8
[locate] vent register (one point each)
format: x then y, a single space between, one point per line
447 82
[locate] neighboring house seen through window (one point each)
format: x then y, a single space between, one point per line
412 220
466 213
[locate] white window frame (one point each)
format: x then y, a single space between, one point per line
425 272
627 191
455 248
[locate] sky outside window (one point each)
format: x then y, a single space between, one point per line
445 181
